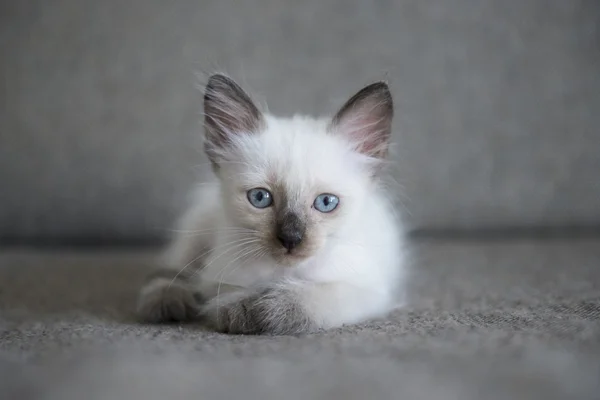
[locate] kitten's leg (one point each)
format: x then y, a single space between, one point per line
294 307
271 310
168 298
171 294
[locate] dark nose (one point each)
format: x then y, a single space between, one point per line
289 240
290 230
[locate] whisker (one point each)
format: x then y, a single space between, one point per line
226 229
232 232
251 253
226 162
239 255
237 243
258 252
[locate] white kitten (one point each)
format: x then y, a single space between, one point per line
296 233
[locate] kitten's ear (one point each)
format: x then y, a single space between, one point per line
366 120
228 111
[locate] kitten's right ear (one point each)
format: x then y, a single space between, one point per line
228 111
366 120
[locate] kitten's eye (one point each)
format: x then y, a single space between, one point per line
326 202
260 198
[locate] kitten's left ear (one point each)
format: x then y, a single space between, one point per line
366 120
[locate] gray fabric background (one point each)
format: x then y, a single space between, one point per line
498 104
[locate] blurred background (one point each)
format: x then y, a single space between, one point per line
498 105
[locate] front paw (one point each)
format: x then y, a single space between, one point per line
164 301
268 312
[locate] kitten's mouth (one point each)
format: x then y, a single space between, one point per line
291 257
296 256
293 254
289 252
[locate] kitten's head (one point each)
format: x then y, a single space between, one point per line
298 182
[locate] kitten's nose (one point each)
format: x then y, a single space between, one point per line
289 240
290 230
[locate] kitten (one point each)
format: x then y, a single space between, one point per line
296 234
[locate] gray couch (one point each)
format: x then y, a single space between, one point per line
497 152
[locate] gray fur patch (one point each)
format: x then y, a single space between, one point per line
164 300
271 311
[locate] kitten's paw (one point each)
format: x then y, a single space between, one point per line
271 311
162 300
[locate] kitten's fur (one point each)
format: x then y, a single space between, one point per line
228 267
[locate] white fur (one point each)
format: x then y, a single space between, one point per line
357 271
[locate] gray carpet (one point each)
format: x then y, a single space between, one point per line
487 320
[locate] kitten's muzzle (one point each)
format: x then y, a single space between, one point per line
290 231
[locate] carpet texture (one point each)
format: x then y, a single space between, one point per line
486 320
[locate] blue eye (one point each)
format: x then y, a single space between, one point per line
326 202
260 198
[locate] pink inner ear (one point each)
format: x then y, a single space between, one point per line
366 120
368 128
